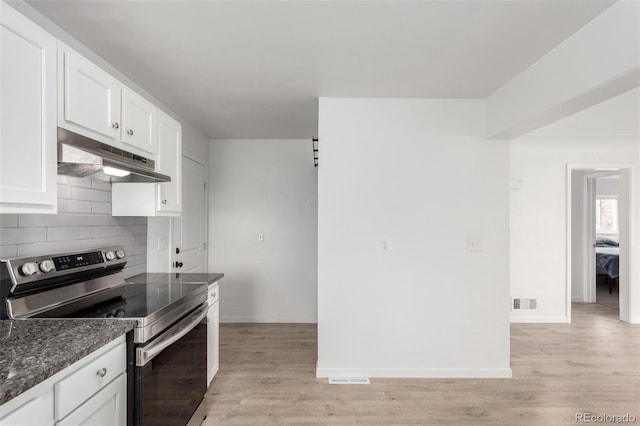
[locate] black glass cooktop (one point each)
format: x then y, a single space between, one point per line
134 301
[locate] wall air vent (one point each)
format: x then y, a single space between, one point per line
525 304
349 381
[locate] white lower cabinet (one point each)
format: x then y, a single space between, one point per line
92 391
213 334
35 410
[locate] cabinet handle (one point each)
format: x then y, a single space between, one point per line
164 201
115 125
130 132
102 372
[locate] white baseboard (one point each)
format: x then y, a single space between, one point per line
416 373
247 319
540 320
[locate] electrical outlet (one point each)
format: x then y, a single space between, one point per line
261 237
474 244
384 245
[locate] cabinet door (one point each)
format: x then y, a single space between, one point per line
169 163
213 341
91 98
36 412
108 407
27 120
139 123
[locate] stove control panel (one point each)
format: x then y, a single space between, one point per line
35 268
72 261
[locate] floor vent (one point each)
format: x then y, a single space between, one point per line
521 304
349 381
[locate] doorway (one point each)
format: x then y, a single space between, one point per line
598 236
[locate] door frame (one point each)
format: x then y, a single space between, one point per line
631 285
589 231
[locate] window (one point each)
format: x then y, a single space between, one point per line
607 215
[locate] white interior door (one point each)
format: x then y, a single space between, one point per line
189 230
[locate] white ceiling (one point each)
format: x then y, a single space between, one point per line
239 69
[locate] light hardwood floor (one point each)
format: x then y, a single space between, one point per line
267 376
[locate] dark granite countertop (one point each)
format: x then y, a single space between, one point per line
33 350
175 278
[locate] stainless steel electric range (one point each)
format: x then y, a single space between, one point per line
167 351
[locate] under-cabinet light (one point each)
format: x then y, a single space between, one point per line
112 171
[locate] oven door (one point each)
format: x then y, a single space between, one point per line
171 373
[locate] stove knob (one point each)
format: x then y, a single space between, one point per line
110 255
47 266
120 254
28 269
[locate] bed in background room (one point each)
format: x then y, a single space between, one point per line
608 260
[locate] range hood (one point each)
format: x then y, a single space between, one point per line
84 157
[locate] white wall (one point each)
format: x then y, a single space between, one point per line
420 174
265 186
195 144
607 133
538 213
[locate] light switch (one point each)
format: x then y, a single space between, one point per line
261 237
384 245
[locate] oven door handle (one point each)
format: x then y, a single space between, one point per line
175 333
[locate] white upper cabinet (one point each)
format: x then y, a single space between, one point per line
169 163
28 167
161 199
139 118
90 98
96 105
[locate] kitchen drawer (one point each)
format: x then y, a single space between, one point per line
213 294
107 407
76 388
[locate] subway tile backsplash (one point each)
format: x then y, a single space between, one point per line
83 221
